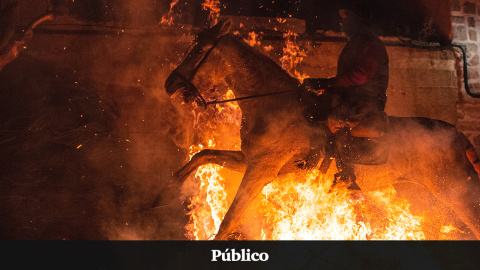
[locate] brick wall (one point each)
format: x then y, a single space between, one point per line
465 22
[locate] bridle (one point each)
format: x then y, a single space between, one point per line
188 80
198 96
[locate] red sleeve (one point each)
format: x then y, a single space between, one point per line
365 67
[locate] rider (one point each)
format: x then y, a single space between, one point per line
358 91
361 82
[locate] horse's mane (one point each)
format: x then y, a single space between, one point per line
259 57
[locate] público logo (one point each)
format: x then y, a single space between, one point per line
230 255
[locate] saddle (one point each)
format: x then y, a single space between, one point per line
348 151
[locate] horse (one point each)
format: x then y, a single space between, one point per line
274 132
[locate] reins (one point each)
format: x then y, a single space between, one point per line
248 97
201 99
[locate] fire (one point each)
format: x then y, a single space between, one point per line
167 19
294 206
450 232
292 56
214 7
207 213
252 39
302 207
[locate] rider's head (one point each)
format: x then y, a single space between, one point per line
352 21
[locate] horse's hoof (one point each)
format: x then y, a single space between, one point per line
357 197
353 186
164 198
159 201
177 175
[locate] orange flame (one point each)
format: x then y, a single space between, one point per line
214 7
302 208
167 19
292 56
294 206
252 39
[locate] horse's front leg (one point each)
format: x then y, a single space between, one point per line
233 160
257 176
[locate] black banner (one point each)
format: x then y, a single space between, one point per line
240 254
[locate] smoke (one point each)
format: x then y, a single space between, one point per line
131 71
89 136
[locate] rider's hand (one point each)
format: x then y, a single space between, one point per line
317 85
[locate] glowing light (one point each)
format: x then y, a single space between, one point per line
214 7
252 39
292 56
168 18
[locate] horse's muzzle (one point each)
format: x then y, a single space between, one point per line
172 84
176 87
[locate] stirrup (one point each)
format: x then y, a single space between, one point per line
345 179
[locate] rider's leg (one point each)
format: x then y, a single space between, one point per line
372 126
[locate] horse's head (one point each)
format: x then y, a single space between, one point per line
197 71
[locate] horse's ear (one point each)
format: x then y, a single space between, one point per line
222 27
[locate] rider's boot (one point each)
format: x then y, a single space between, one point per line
345 177
364 144
317 144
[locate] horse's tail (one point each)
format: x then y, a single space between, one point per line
471 153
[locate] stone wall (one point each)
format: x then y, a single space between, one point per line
465 22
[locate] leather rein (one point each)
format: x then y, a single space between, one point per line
198 96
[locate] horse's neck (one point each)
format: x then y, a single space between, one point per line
254 73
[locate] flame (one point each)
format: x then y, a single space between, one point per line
214 7
252 39
450 232
303 208
292 56
295 206
167 19
300 208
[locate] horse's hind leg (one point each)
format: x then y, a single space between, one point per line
464 199
452 185
458 188
233 160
